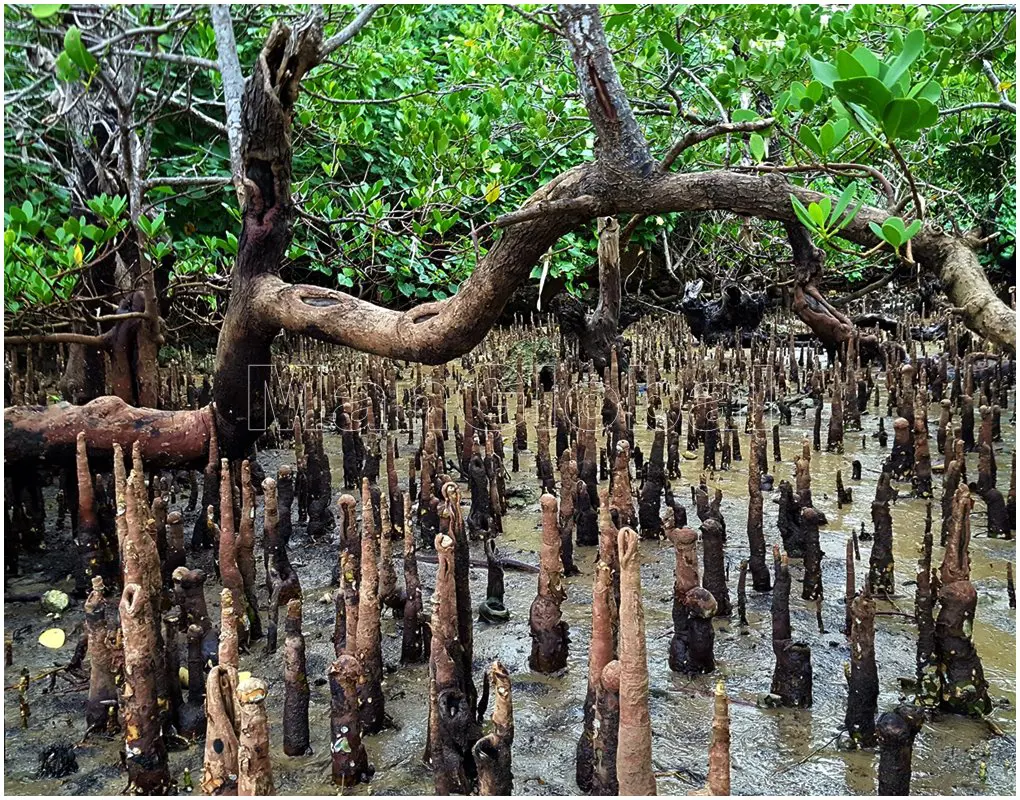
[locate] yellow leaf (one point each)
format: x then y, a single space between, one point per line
242 677
53 638
79 254
492 193
1005 86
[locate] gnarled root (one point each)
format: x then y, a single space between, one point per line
634 748
493 755
549 636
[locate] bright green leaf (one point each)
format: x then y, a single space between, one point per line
64 68
802 213
927 114
845 199
757 145
824 72
848 67
865 91
912 46
671 44
892 232
810 141
900 117
76 50
929 90
45 10
868 60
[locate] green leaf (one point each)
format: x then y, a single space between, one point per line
670 43
877 230
824 72
757 145
810 141
814 90
817 214
912 47
76 50
802 213
865 91
45 10
826 205
840 128
912 230
743 115
927 114
826 137
848 67
845 199
928 90
65 69
900 117
892 232
868 60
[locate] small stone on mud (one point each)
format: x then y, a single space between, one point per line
57 761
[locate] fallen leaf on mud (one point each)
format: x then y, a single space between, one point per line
52 638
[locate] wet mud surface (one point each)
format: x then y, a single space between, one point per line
773 751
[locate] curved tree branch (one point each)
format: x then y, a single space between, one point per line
436 332
348 33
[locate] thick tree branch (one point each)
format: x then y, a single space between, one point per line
49 433
233 91
437 332
620 143
348 33
692 138
99 342
585 204
835 166
184 181
170 58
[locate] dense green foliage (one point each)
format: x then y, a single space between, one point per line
437 119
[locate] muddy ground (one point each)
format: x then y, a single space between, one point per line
773 751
